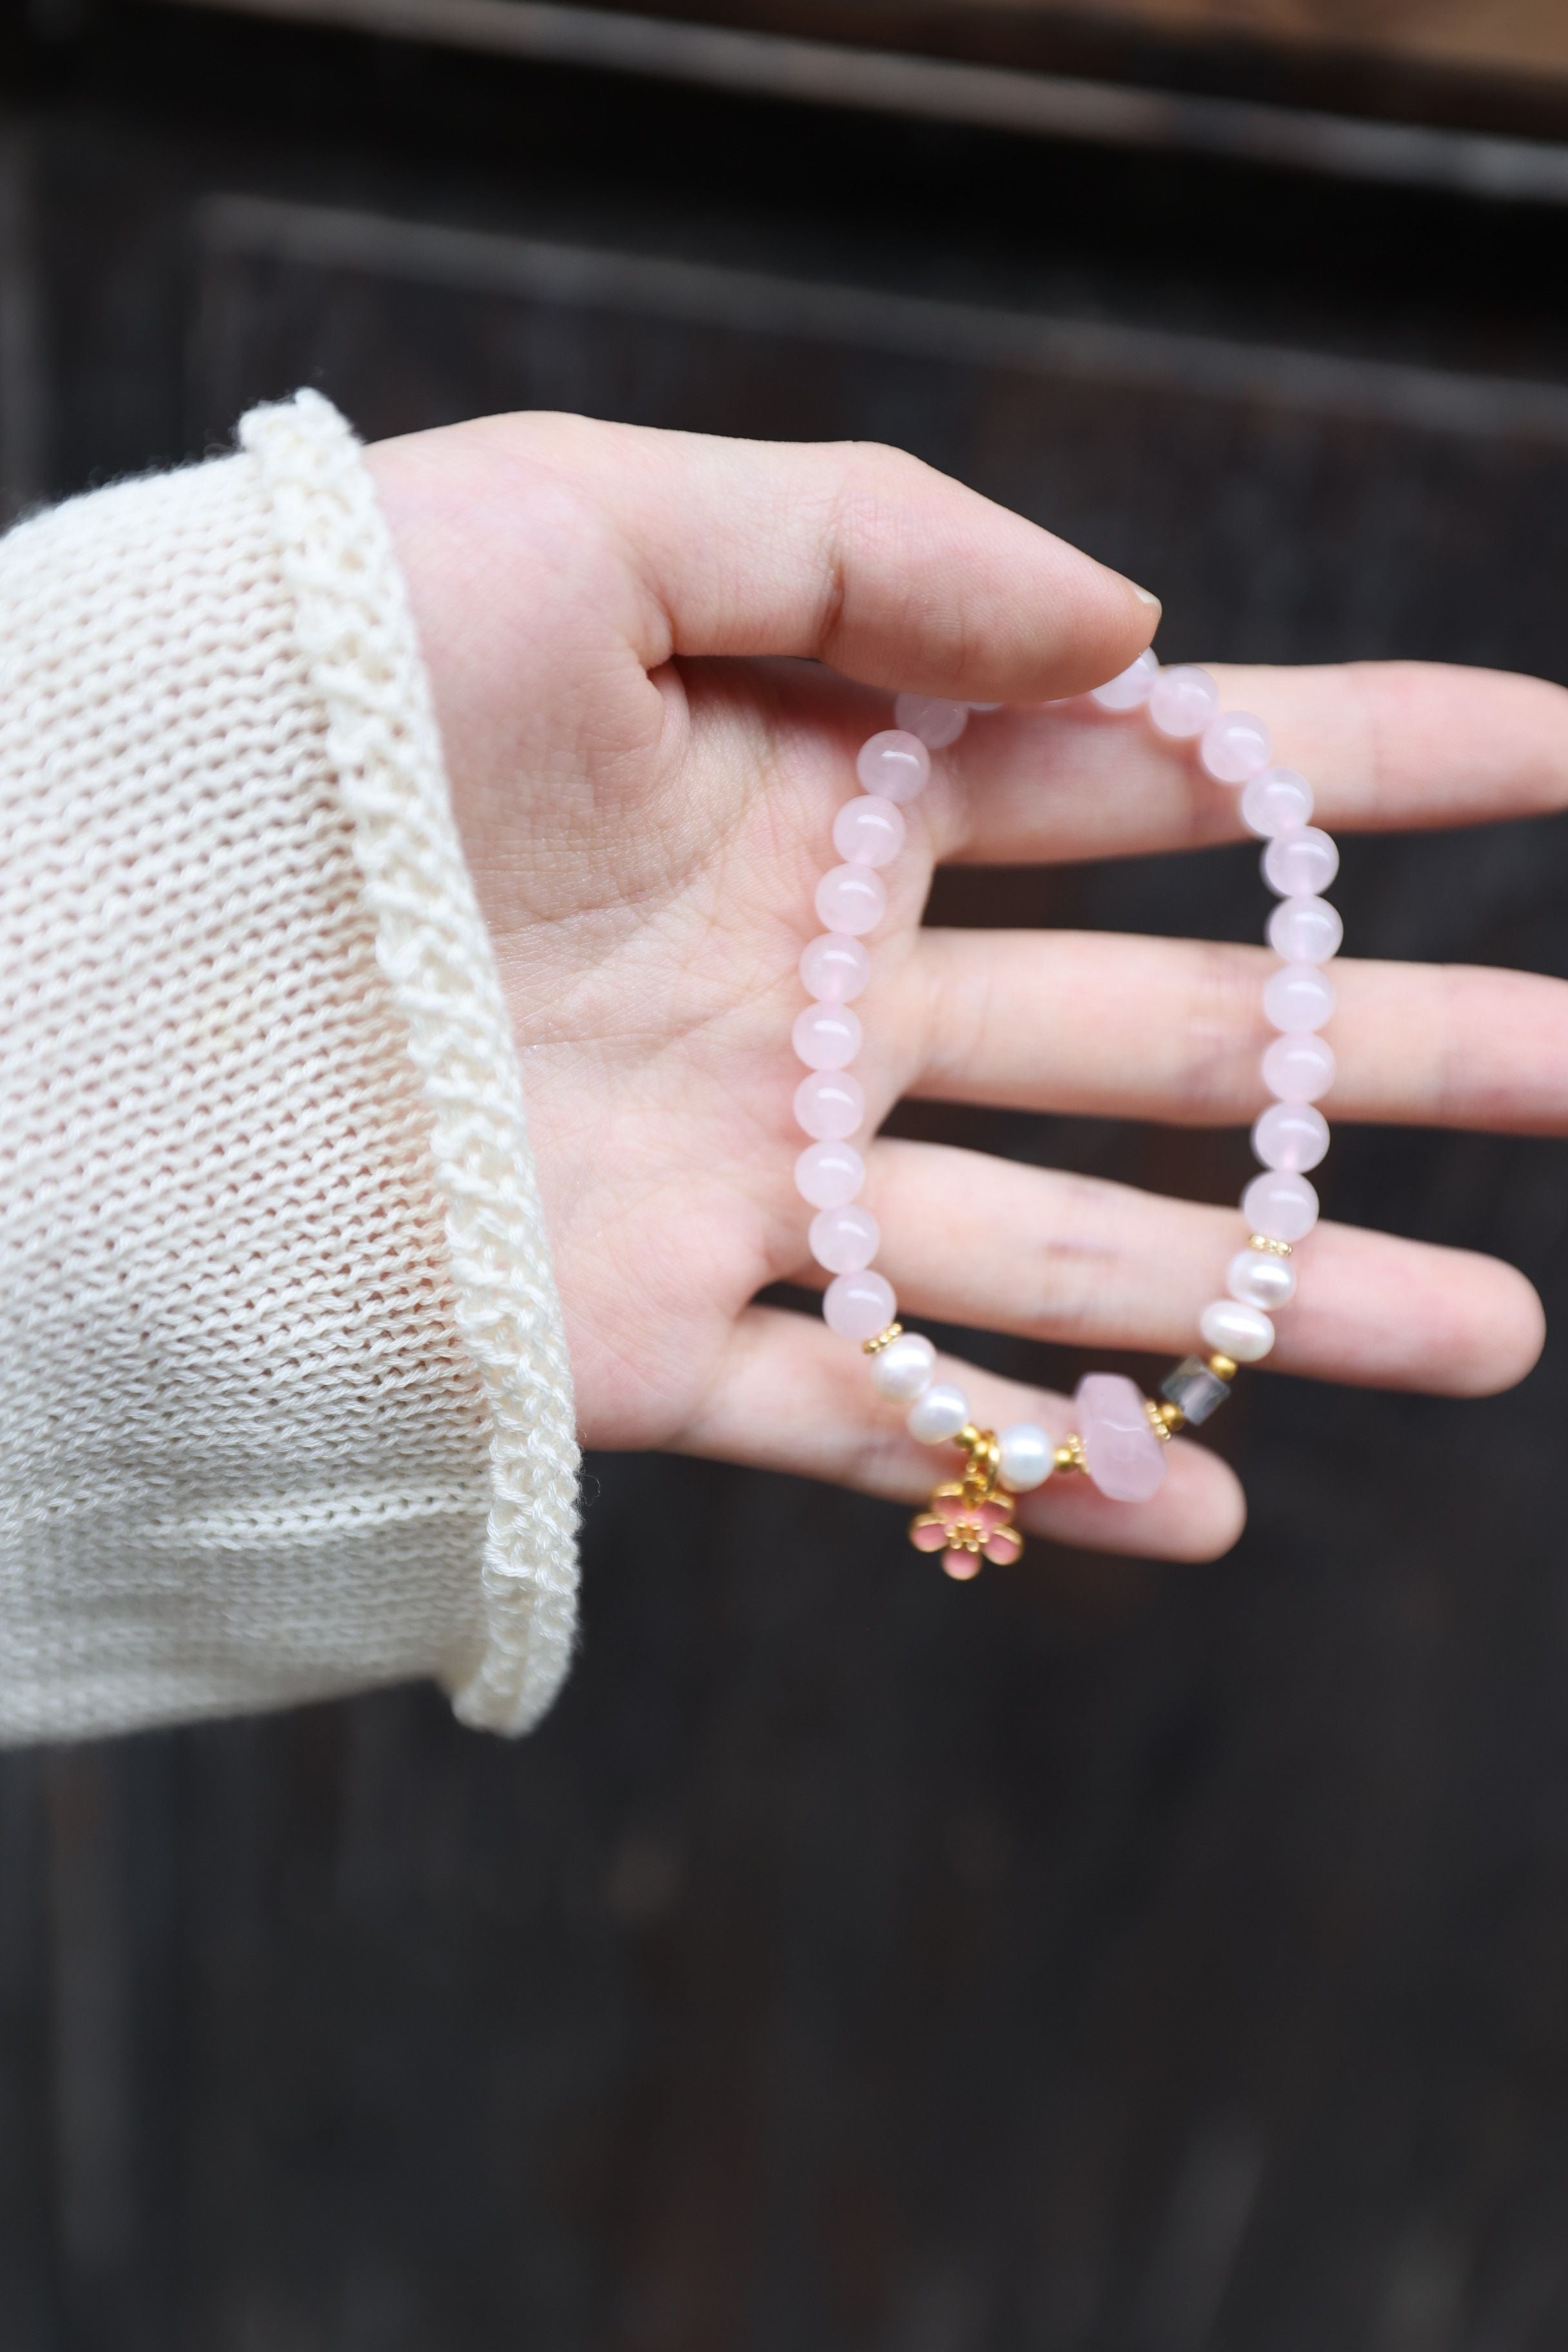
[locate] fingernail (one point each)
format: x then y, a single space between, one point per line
1144 597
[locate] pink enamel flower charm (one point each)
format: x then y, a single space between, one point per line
965 1529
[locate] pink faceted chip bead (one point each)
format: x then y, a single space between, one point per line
894 763
1234 748
1120 1451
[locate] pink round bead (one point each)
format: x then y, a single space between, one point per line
851 898
859 1305
869 831
1298 1069
1128 689
1276 800
1183 700
894 763
1298 998
1281 1208
829 1174
845 1240
937 723
1235 747
1306 930
834 968
826 1036
1301 863
830 1104
1291 1136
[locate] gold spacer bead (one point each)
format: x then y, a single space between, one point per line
883 1339
1223 1367
1069 1454
1262 1242
1164 1419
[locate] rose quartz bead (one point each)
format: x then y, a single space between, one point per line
902 1369
1181 701
859 1305
937 723
1298 1069
830 1104
1293 1135
1306 930
1297 998
1276 800
1120 1451
869 831
1301 863
844 1240
829 1174
1282 1208
834 968
851 898
1234 748
1128 689
1258 1278
894 763
1243 1333
826 1036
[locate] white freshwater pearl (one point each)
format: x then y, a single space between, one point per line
1297 1069
1306 930
941 1413
844 1240
1291 1136
869 831
902 1369
828 1175
1183 700
1243 1333
1301 863
894 763
1258 1278
1276 800
829 1104
851 898
834 968
1298 998
1282 1207
1128 689
859 1305
826 1036
1028 1456
1235 747
935 720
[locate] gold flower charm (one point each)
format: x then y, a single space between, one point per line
966 1528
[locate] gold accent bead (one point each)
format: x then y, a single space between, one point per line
1069 1454
883 1339
1223 1367
1166 1419
1262 1242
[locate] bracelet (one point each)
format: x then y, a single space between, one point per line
1121 1436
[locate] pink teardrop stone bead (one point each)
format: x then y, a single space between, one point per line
1120 1452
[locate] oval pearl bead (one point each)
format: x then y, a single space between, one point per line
869 831
1120 1451
1243 1333
859 1305
1258 1278
1297 998
1181 701
894 763
941 1413
1128 690
1282 1208
829 1104
1301 863
851 898
1028 1456
902 1369
844 1240
826 1036
936 721
834 968
1306 930
828 1175
1298 1069
1276 800
1291 1136
1235 747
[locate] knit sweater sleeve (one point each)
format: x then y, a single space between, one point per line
285 1407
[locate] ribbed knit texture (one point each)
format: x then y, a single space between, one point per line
284 1407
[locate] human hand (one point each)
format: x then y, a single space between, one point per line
646 798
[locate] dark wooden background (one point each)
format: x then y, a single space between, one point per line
1104 1958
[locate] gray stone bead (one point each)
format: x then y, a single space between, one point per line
1195 1389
